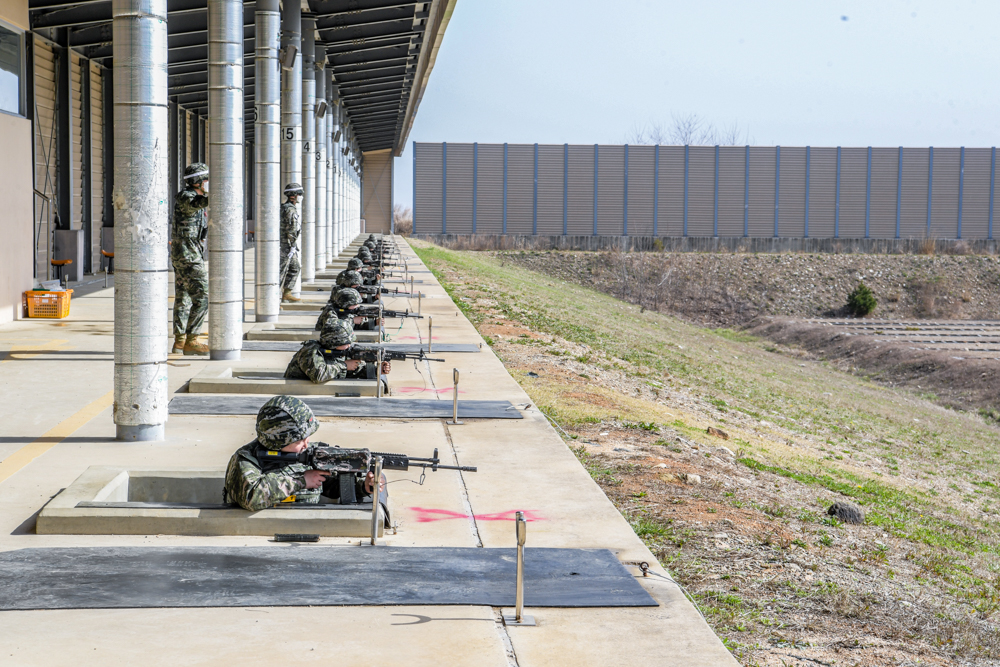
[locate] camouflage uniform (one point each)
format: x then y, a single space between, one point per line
187 257
253 486
291 227
309 362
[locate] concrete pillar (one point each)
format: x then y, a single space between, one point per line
267 146
142 206
291 102
308 148
226 166
320 156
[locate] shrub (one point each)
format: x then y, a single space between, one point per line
861 301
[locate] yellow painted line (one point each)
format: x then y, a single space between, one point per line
53 436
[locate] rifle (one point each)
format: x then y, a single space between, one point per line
371 354
348 464
365 310
378 289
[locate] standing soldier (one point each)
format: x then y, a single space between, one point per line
291 227
187 254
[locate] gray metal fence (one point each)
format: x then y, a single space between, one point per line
704 191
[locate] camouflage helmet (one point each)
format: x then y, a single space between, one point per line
337 332
371 237
369 244
365 255
293 189
195 173
347 278
347 297
354 264
284 420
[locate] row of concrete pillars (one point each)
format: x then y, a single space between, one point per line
302 135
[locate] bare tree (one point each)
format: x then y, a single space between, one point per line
402 220
688 130
650 134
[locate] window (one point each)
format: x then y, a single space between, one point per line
11 53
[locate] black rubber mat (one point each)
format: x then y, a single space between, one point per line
294 346
331 406
139 577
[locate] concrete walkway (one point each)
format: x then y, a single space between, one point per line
55 393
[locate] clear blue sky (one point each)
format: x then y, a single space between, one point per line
851 73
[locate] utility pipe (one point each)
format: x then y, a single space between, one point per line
142 208
225 163
308 148
291 103
333 99
322 113
267 145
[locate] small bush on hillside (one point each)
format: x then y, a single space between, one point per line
861 301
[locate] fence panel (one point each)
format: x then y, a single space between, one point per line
520 187
671 210
641 171
581 191
822 192
944 202
976 194
550 190
427 188
489 189
701 191
885 168
913 213
732 181
610 190
792 192
761 217
459 194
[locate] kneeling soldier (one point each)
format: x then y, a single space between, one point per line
284 424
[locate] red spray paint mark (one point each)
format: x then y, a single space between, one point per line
426 515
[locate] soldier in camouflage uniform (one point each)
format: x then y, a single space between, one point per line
309 363
283 423
187 255
345 279
291 227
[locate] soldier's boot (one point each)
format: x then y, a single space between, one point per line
287 295
192 346
178 345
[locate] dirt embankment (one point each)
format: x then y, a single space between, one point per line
733 290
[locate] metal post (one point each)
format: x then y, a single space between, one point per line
521 531
806 220
625 197
454 400
420 297
376 506
142 211
746 192
430 332
687 153
378 370
308 147
596 151
656 188
899 188
715 197
267 153
319 155
475 182
291 98
225 163
961 187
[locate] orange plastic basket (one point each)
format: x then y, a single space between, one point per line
54 305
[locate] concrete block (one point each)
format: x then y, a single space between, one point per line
107 500
230 380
